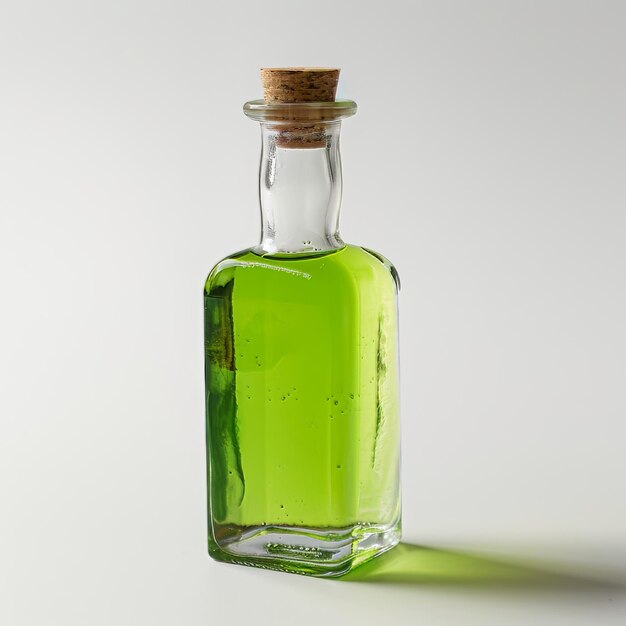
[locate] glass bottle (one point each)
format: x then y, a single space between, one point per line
302 368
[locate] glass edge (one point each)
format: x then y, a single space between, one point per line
278 112
260 105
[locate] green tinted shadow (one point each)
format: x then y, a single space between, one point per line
411 564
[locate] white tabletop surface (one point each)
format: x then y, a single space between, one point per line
487 161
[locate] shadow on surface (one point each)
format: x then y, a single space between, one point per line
411 564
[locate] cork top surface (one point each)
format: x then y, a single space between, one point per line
299 84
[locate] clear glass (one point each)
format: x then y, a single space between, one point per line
302 370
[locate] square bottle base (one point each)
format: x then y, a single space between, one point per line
312 551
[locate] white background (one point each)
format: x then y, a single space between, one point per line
487 161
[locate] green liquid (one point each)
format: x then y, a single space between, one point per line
302 404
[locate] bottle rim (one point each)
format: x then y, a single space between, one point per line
312 112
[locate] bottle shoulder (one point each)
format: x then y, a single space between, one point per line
350 262
223 270
384 262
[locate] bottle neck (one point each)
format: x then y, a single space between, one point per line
300 190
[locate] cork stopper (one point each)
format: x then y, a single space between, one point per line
299 84
293 85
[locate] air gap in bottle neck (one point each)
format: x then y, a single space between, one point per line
300 174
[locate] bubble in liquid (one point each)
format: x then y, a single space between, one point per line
282 506
283 398
336 402
338 466
351 396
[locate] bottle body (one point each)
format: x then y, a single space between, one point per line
302 409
